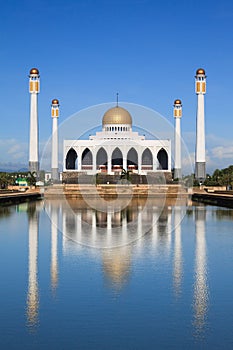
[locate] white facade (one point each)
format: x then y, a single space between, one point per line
117 147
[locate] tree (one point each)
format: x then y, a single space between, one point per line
125 175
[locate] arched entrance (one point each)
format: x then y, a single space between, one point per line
162 159
101 160
132 159
117 160
71 158
87 159
147 160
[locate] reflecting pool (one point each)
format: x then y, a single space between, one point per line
150 275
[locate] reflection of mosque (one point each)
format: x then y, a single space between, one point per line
118 228
113 227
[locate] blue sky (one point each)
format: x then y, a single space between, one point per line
87 50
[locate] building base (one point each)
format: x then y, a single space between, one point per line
177 173
75 177
34 167
200 171
55 174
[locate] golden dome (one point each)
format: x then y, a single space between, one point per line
177 102
200 71
117 115
34 71
55 102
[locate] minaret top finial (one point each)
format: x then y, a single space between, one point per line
117 95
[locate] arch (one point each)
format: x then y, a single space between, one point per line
132 158
162 159
101 158
117 158
87 159
147 160
71 158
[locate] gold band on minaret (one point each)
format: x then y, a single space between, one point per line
200 81
55 108
177 108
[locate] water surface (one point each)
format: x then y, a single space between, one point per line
144 277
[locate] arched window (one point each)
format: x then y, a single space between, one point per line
71 158
101 159
87 159
147 160
117 158
162 159
132 159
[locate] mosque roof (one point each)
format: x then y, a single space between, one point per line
117 115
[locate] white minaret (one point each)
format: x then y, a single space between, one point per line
200 166
34 89
177 116
55 115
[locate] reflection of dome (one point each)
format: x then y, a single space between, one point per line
200 71
177 102
55 102
116 266
34 71
117 115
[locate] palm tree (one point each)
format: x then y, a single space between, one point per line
125 175
31 178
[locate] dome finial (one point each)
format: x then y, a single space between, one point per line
117 95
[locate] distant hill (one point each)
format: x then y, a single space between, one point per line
11 167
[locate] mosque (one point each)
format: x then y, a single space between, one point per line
117 147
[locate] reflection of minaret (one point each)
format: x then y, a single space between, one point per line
32 297
177 116
55 115
200 166
200 286
34 89
177 272
54 231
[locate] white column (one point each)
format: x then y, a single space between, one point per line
109 163
54 163
177 141
94 160
33 136
200 161
200 136
139 162
124 161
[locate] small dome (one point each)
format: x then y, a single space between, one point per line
34 71
117 115
177 102
55 102
200 71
